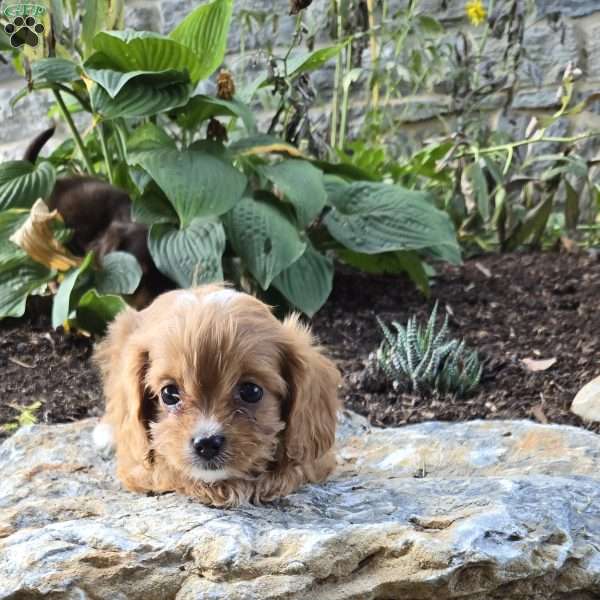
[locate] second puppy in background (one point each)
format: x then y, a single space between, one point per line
99 214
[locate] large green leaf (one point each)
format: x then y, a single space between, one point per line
571 206
196 183
114 81
5 41
347 171
304 63
100 15
63 301
120 274
138 99
54 70
191 255
200 108
22 183
204 31
146 138
475 189
532 225
153 207
128 51
301 184
96 311
10 221
264 238
377 217
400 261
296 65
307 282
20 277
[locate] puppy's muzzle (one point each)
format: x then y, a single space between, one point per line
209 447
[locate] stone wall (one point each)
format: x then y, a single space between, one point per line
565 31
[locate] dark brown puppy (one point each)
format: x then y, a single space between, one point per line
99 214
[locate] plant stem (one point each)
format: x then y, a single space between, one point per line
283 99
121 137
295 40
102 136
67 116
345 94
482 44
84 104
374 48
398 47
512 145
338 75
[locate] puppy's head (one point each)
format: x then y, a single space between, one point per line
217 387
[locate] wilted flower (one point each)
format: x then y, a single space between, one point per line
216 131
225 85
36 237
475 11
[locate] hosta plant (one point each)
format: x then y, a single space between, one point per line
220 200
422 360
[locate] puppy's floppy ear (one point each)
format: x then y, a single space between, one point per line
312 402
123 360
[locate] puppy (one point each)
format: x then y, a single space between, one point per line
209 395
99 214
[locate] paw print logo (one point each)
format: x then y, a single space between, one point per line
24 31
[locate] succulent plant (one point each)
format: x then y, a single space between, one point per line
422 360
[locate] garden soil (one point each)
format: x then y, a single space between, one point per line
540 306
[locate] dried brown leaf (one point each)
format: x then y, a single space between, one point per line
536 364
483 269
538 412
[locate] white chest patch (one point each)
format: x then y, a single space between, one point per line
103 439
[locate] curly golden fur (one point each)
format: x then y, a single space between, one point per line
206 342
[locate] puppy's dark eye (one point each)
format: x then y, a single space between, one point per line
250 392
170 395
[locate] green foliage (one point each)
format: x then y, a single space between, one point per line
22 183
242 205
27 416
424 360
501 192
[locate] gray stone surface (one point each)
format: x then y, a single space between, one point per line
592 66
172 11
570 8
142 18
550 47
506 510
26 119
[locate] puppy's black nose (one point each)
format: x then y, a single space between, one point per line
209 447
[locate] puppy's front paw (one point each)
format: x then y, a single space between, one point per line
103 439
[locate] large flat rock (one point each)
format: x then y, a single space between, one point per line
504 510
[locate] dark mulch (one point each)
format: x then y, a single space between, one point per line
40 364
509 307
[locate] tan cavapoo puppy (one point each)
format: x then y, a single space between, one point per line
208 394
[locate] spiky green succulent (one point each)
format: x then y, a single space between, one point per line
423 360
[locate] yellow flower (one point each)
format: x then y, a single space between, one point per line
475 11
